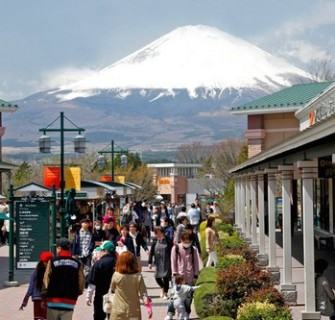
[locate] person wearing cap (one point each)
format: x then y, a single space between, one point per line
63 282
35 288
100 277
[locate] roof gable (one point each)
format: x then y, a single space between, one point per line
288 99
7 106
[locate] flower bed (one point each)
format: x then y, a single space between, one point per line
237 288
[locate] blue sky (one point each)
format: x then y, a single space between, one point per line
44 42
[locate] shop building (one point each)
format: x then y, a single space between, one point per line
271 119
174 179
300 169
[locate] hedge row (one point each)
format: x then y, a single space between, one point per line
236 288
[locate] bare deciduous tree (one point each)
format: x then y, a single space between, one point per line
193 153
322 70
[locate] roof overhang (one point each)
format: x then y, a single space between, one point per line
301 112
7 166
309 136
32 187
267 111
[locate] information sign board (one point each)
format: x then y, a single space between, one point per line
32 230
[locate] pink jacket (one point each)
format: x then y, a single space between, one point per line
184 264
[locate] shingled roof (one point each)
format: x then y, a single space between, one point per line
288 99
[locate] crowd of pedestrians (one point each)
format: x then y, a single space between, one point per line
105 259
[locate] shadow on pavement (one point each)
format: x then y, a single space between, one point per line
22 276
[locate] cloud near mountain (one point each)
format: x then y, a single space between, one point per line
175 90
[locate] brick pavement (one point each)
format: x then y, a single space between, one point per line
10 298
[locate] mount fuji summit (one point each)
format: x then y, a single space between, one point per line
175 90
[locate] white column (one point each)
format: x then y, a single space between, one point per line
308 170
253 211
271 214
238 199
236 202
260 182
331 205
248 207
287 288
243 204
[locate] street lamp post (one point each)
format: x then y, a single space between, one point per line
45 147
112 151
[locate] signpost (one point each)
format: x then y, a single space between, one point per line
32 226
33 229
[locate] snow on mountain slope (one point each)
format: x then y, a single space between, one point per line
188 58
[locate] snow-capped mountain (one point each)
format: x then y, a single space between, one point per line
175 90
190 58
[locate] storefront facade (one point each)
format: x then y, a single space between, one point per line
172 179
301 171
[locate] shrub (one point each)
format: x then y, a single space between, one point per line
229 260
202 296
236 282
243 251
232 242
218 318
263 311
270 295
224 227
207 275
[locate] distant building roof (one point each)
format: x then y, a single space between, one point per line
7 106
287 100
174 165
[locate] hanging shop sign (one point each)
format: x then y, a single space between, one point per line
72 177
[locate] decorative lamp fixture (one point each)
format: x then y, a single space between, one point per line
79 143
124 161
101 162
45 144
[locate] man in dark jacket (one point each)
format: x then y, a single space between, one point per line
100 277
63 282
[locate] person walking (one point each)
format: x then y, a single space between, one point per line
63 282
35 288
168 228
194 237
124 241
110 231
211 241
160 254
138 242
147 221
183 221
185 262
194 215
83 244
128 287
325 298
100 277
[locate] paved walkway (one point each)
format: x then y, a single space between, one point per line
10 298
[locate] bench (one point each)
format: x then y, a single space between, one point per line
323 236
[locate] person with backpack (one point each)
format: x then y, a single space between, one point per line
100 277
185 262
63 282
35 288
160 254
